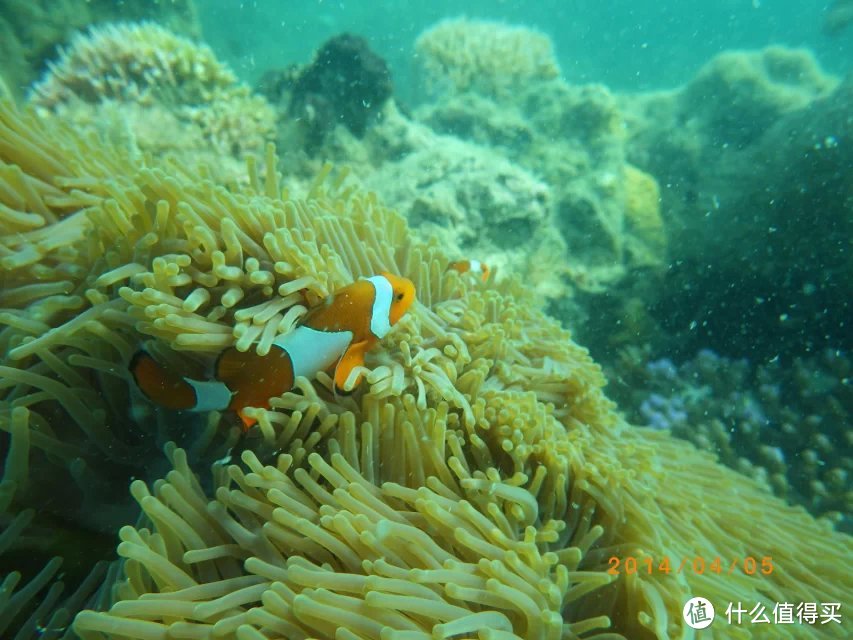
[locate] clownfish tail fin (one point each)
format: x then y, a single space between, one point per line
173 391
159 384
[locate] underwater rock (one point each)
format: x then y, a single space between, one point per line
684 134
606 219
479 119
738 95
478 204
606 211
756 199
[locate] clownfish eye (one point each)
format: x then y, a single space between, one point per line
399 296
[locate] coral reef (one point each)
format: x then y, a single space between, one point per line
158 92
473 202
480 478
485 57
755 156
30 32
606 218
345 84
604 207
451 193
133 62
739 94
571 136
786 426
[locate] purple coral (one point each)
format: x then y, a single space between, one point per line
787 423
662 412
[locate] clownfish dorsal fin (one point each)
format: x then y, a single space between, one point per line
352 358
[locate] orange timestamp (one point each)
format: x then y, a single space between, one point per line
698 565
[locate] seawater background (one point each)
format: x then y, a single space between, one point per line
625 44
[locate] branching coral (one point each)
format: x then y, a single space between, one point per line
477 482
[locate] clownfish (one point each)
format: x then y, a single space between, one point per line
337 332
474 267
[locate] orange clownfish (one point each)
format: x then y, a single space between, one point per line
474 267
337 332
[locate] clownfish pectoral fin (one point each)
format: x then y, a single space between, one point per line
160 385
248 422
352 358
